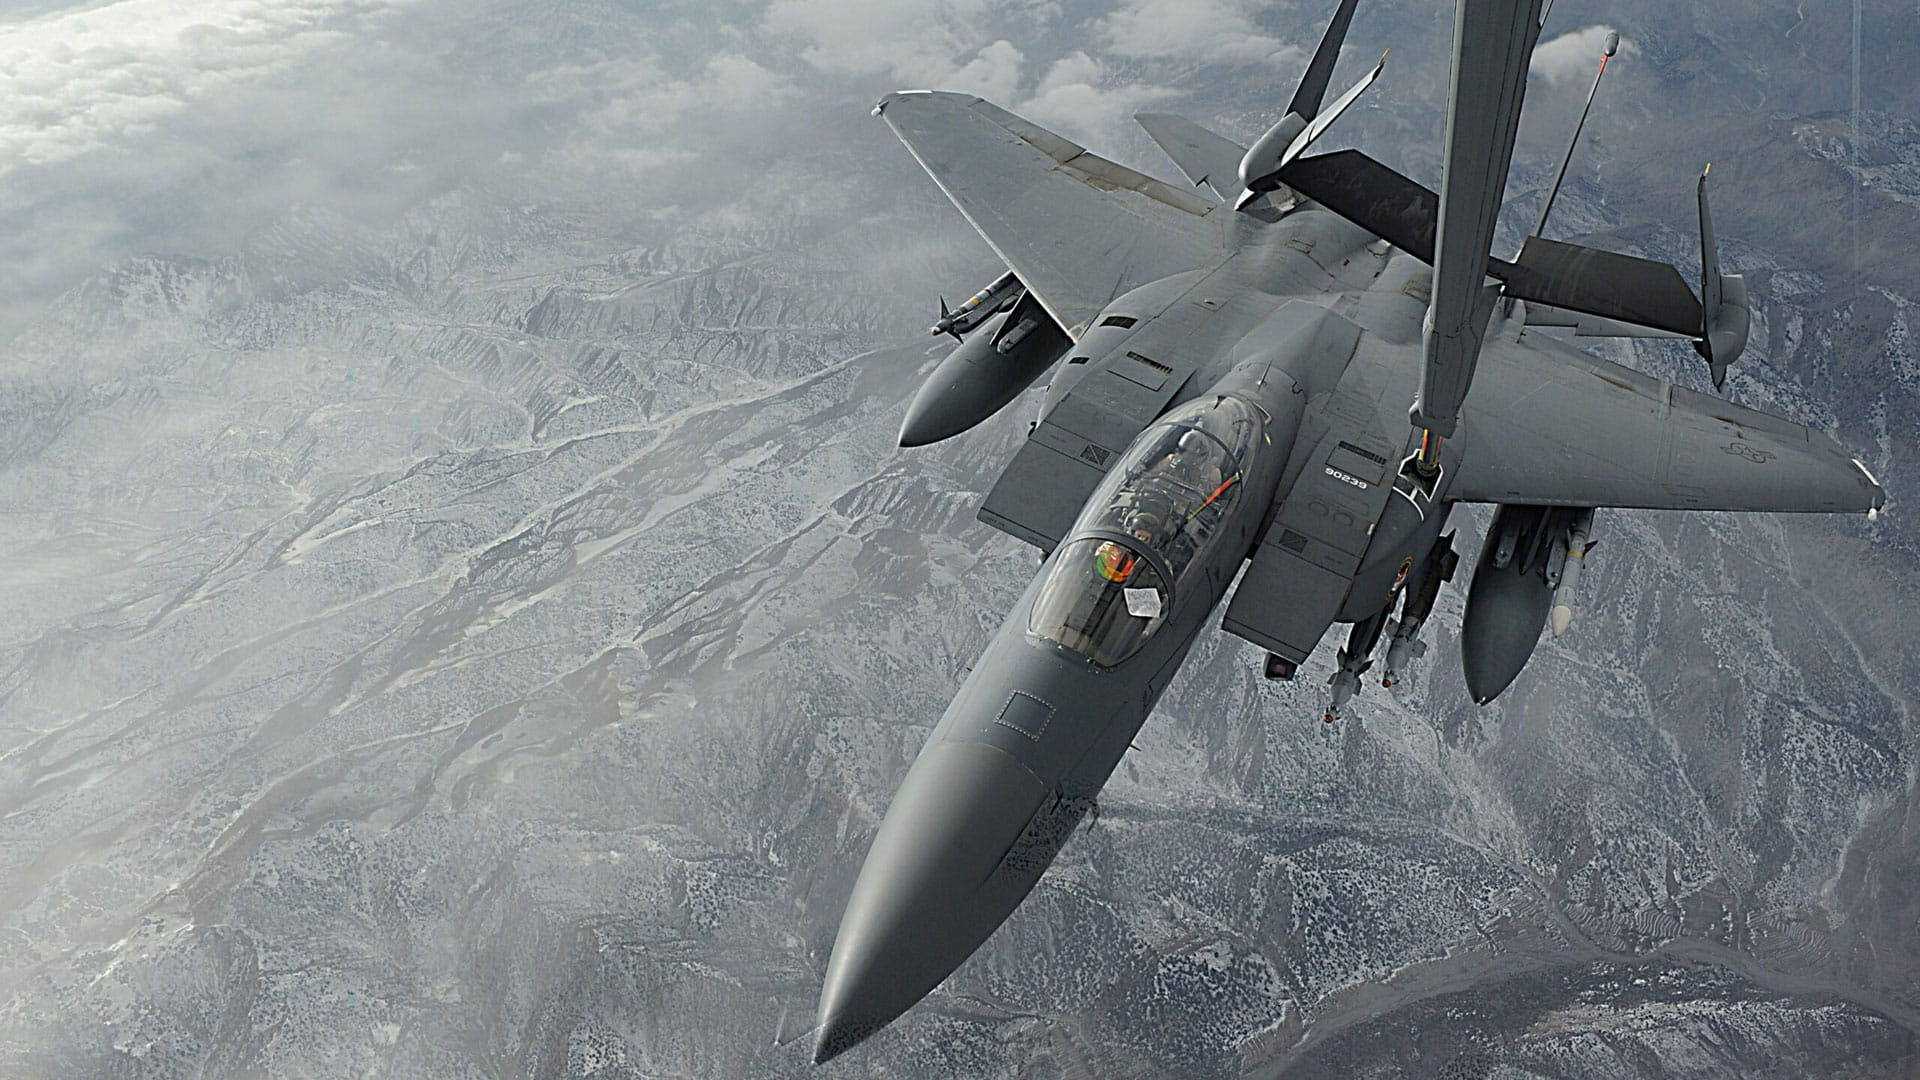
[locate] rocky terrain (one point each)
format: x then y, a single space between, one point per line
482 642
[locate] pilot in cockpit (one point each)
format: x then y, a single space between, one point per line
1191 465
1145 527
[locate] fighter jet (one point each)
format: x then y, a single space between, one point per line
1301 367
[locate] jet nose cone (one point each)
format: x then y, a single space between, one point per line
940 879
927 422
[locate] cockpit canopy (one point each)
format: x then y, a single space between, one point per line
1160 507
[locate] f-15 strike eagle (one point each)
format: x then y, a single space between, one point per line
1236 388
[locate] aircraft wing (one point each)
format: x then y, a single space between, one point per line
1552 425
1078 229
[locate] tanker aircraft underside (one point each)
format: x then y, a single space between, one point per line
1302 367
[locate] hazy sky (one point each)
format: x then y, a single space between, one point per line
187 126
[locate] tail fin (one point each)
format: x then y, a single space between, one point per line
1313 85
1302 123
1724 314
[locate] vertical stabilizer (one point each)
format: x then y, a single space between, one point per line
1302 123
1725 317
1313 85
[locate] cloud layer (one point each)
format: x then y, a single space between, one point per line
1574 57
75 82
186 126
1197 31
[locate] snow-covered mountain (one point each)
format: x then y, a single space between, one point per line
481 641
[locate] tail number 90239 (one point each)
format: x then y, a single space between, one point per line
1345 478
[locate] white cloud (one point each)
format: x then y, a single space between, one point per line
1574 57
76 81
1206 31
968 45
636 118
994 72
640 97
189 127
1075 97
916 43
1078 69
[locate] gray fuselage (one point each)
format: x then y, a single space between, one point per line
1039 724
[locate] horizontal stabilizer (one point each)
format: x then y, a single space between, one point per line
1206 158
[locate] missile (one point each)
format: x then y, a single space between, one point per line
1403 649
1405 645
977 308
1564 594
1345 683
1355 659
